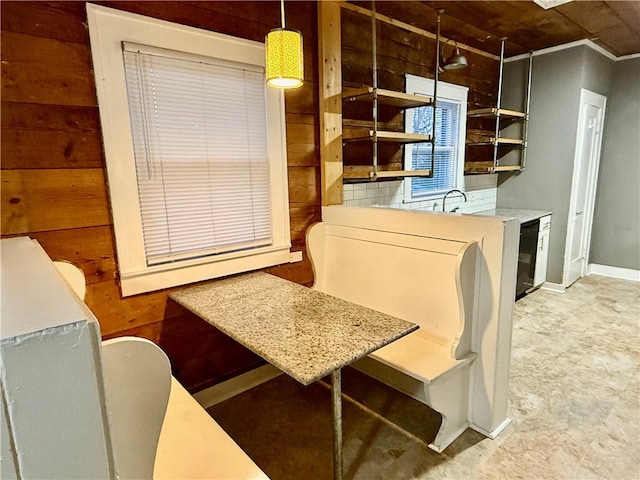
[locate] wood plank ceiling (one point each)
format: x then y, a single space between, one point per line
614 24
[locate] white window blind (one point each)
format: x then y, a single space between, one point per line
199 132
445 165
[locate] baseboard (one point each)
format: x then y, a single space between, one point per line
614 272
553 287
494 433
236 385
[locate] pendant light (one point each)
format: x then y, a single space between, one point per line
284 65
456 61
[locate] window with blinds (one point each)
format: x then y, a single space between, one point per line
200 147
450 132
195 151
445 165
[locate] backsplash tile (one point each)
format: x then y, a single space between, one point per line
481 191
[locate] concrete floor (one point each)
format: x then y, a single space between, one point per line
574 402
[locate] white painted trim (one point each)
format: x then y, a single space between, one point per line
577 43
628 57
235 386
107 29
614 272
553 287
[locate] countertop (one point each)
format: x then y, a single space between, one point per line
305 333
523 215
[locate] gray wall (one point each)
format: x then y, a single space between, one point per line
545 183
597 72
615 239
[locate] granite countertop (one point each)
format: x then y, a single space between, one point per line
305 333
523 215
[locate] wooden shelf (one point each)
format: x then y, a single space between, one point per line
508 168
492 138
366 173
477 170
498 141
470 169
386 97
376 98
384 136
496 112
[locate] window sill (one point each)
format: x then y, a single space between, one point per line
209 269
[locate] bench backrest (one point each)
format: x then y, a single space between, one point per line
137 382
137 377
427 281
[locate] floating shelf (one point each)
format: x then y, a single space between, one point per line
493 138
384 136
378 97
493 112
470 169
508 168
386 97
496 142
368 173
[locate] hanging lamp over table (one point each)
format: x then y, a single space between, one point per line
284 64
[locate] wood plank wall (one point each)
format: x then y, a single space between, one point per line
53 178
399 52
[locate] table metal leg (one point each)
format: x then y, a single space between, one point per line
336 403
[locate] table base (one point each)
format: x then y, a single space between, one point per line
336 403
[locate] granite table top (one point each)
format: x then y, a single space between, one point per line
522 214
305 333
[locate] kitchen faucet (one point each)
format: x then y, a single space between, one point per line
444 199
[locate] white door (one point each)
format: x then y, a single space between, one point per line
585 172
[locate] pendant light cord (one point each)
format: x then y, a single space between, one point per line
282 13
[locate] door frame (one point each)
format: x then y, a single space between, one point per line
587 97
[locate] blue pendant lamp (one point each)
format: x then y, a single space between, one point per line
284 65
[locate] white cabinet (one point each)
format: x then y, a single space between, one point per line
542 254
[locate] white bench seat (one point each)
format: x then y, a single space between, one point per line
193 446
157 428
420 357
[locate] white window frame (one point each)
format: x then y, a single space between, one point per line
108 28
449 92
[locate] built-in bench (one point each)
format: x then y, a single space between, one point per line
157 429
425 280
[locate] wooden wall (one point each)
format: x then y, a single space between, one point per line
400 51
53 178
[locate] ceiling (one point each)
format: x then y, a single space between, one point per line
614 25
